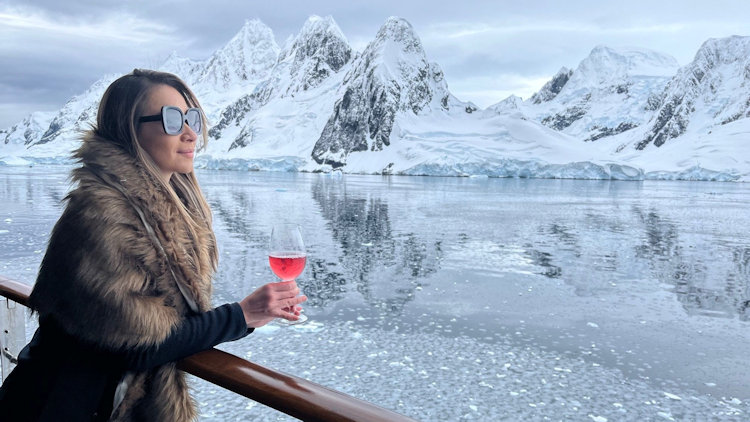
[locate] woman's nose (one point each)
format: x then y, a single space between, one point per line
188 134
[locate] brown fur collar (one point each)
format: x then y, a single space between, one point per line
105 280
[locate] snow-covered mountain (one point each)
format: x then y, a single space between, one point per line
713 90
284 114
245 60
391 77
27 130
701 120
315 105
611 91
232 71
76 116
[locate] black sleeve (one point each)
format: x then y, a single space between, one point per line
194 334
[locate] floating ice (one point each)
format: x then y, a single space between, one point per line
310 326
672 396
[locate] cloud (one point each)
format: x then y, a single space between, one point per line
117 27
54 49
48 57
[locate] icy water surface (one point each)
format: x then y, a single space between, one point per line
450 299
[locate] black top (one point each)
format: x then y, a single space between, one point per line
58 377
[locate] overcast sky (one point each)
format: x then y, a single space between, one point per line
51 50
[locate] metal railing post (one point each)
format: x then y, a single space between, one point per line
12 334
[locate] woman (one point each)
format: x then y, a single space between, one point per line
124 289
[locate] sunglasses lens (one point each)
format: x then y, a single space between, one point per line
193 118
172 120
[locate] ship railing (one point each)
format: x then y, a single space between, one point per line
297 397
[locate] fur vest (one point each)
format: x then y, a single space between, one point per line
111 272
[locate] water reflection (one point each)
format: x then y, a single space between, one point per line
386 268
701 290
544 260
739 283
589 254
371 250
661 239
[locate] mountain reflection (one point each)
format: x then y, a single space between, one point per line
545 261
367 248
585 254
385 268
703 292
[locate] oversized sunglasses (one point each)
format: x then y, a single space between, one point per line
172 119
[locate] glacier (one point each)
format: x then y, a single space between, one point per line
317 105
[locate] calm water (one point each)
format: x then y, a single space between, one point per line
451 299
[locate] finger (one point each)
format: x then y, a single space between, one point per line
282 286
291 303
291 316
286 294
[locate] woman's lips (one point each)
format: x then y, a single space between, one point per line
189 153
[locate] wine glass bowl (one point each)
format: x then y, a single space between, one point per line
287 257
287 265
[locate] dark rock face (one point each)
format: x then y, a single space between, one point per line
670 122
553 87
654 102
740 114
237 111
702 82
319 51
52 131
363 113
601 132
560 121
376 89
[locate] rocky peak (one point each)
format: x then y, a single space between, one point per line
187 69
398 31
509 105
391 76
319 50
28 130
247 57
78 114
553 87
606 65
716 82
610 92
396 57
728 50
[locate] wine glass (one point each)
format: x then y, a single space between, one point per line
287 258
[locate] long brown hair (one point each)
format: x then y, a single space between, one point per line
116 121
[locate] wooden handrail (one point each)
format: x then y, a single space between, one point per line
294 396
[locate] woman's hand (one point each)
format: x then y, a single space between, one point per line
273 300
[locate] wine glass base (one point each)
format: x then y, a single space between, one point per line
286 323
